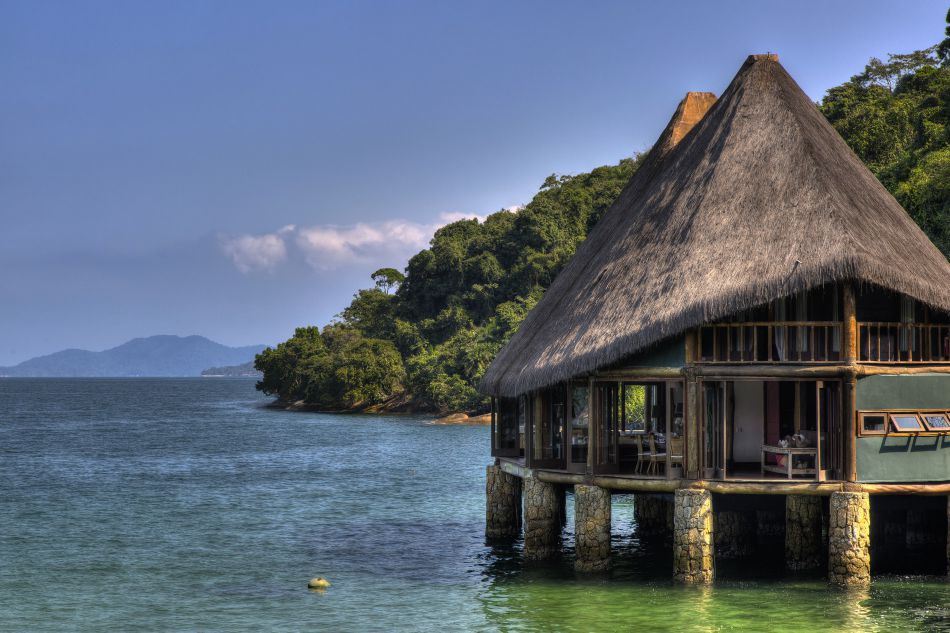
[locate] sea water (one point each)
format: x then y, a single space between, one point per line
188 505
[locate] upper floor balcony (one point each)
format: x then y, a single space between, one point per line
790 342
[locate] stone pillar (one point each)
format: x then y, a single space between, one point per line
734 533
591 528
802 532
654 516
542 518
693 536
502 504
849 539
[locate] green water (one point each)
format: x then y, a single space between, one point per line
185 505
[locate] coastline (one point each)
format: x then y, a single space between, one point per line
390 408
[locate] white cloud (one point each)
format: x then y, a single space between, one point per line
327 246
455 216
256 252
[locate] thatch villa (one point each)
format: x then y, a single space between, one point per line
755 315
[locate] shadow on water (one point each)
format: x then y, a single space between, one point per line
751 593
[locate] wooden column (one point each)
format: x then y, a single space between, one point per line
848 427
850 349
850 326
692 405
692 427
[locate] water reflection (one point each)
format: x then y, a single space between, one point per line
637 593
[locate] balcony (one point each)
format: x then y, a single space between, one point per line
771 342
903 343
791 342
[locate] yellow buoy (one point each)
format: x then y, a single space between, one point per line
318 583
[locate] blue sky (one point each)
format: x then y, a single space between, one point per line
236 169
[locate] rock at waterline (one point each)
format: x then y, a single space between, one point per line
464 418
318 583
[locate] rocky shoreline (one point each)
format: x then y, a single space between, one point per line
401 408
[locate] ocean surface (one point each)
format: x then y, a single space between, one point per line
186 505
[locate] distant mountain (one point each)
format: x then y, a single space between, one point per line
245 370
152 356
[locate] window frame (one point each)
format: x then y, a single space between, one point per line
891 427
906 414
862 430
942 429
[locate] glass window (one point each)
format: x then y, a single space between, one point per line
906 422
506 425
873 423
936 421
676 400
580 423
634 408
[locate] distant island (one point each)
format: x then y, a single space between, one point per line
244 370
153 356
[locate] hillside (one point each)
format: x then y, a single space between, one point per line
460 300
153 356
244 370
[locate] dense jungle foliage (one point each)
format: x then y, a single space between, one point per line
423 339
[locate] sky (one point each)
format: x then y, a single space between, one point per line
237 169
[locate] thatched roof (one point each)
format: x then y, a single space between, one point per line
759 200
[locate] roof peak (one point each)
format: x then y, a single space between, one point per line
689 112
762 57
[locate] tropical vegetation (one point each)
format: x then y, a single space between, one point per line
423 338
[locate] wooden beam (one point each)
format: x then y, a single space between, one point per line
804 372
628 484
767 487
512 468
640 484
641 373
877 370
558 477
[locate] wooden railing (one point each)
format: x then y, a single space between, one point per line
903 343
771 342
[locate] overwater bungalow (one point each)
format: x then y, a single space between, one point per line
755 315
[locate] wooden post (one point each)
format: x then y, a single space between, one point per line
692 352
849 428
593 424
849 418
850 326
692 411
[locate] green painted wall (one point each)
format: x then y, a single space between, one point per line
668 353
918 391
903 458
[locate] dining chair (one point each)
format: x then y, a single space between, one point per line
676 451
655 457
638 442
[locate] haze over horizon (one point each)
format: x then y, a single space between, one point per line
235 170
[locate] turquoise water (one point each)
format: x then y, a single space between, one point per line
185 505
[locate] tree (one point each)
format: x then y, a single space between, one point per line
943 48
388 278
